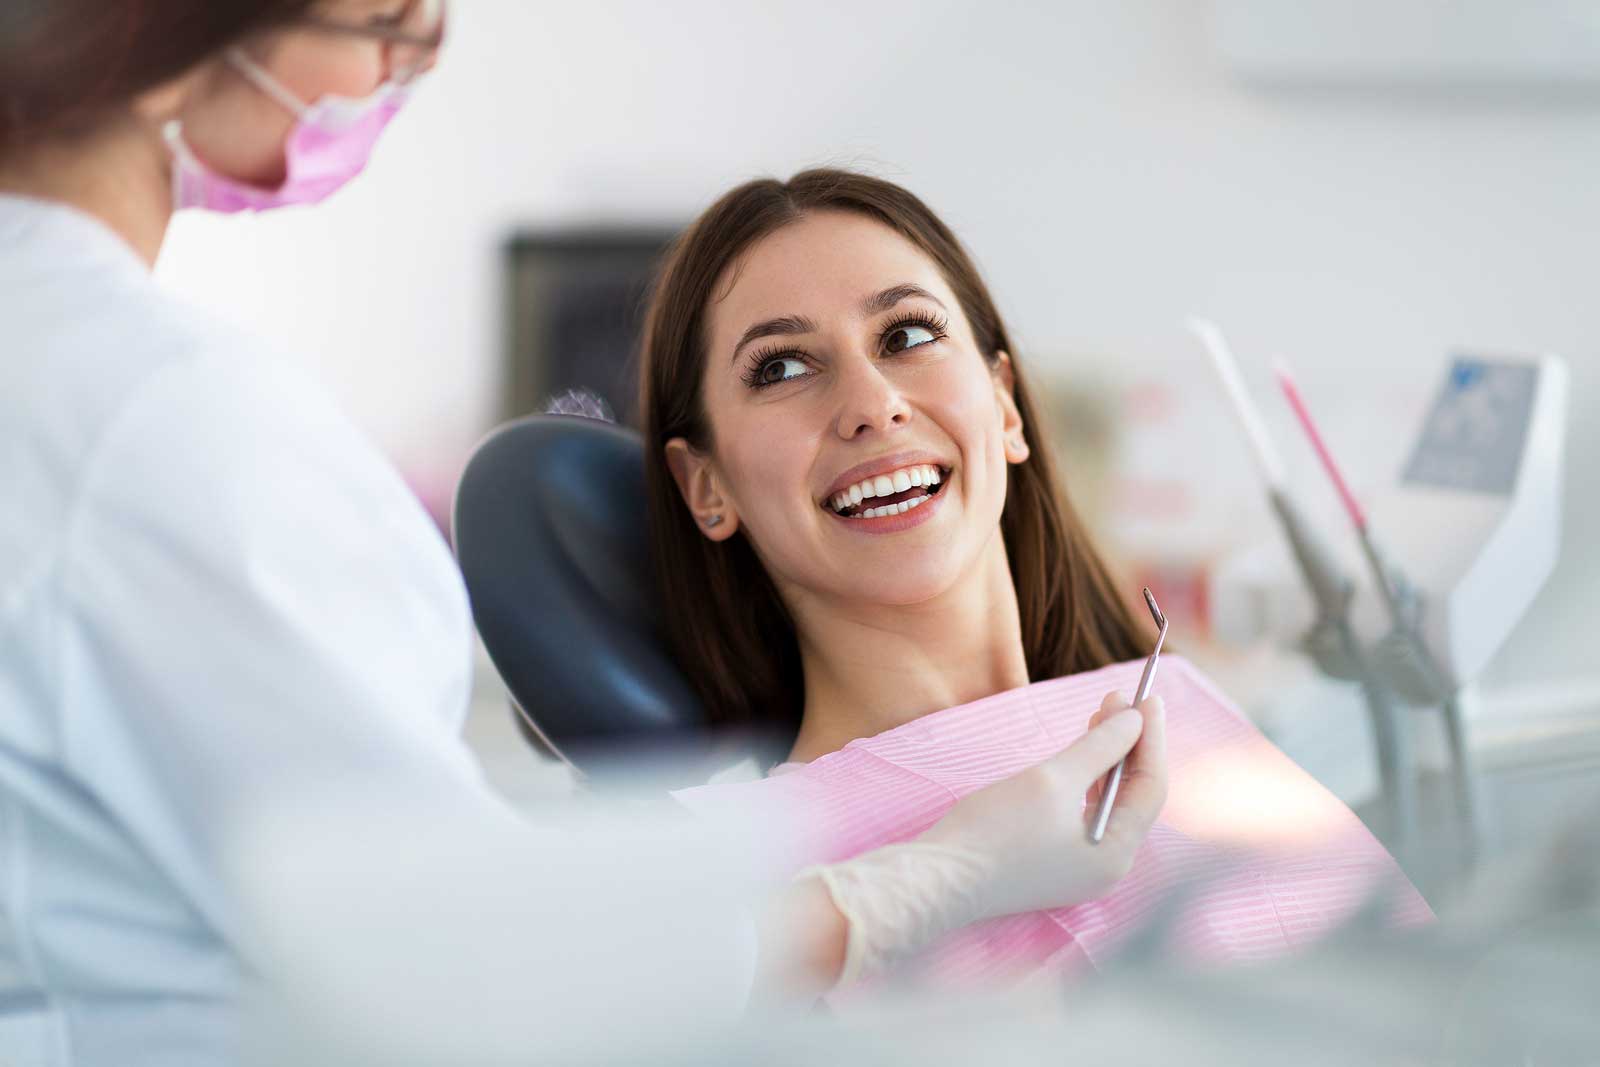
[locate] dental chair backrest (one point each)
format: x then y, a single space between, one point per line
551 534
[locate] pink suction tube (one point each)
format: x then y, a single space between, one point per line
1292 393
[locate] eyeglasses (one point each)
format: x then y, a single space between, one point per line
411 39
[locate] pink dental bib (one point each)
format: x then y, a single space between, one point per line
1251 858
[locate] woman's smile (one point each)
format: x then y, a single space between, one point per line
904 511
888 495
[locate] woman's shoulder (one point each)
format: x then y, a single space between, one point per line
226 431
92 339
147 384
85 320
132 407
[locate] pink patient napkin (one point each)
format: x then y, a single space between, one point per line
1251 856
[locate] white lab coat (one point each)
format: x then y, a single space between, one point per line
215 596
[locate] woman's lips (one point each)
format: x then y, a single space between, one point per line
884 475
893 487
905 513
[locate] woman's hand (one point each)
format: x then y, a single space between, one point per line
1032 828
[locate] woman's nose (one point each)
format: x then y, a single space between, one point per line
869 401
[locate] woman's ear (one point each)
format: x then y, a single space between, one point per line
697 483
162 103
1005 385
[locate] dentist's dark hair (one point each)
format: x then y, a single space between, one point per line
728 627
67 65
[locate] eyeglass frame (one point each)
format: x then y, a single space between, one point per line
389 35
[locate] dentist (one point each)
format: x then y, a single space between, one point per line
216 597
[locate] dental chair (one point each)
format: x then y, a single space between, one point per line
550 531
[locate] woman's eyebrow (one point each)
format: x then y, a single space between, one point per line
888 298
789 325
784 325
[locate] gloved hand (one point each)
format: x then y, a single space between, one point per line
1018 845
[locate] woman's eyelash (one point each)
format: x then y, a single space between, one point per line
934 324
759 361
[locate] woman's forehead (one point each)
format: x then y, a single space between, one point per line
823 265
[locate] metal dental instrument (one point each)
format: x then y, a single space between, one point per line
1108 795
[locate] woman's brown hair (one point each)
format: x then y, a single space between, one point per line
67 64
725 621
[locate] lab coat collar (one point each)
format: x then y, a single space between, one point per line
27 220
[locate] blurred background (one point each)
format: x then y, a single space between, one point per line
1359 187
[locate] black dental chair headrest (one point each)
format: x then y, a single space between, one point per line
551 533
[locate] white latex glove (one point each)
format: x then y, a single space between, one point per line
1018 845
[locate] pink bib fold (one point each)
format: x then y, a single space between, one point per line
1251 857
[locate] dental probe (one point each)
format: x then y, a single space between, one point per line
1108 795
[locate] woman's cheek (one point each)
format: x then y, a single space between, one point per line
767 459
971 418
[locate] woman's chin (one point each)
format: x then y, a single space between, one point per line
907 585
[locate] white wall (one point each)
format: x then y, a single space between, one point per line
1109 174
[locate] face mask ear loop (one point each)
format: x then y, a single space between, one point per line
258 77
172 134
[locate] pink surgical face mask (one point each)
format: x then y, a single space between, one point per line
330 144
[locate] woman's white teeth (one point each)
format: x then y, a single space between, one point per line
899 481
890 509
885 485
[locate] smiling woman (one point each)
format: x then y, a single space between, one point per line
864 548
874 528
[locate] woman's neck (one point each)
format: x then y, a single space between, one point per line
119 174
870 668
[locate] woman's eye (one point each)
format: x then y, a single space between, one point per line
904 337
781 370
